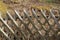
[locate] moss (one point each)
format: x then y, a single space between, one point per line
3 8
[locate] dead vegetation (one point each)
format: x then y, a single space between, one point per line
47 34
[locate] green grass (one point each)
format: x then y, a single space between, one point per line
48 1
